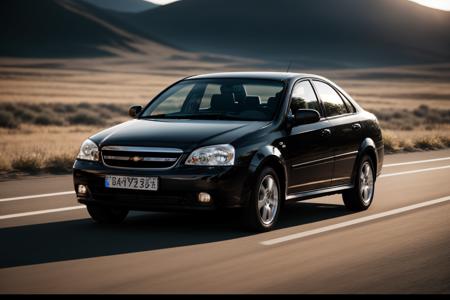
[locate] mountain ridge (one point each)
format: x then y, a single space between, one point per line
354 33
66 28
364 33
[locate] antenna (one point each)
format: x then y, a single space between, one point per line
289 66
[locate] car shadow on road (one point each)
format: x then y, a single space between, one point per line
76 239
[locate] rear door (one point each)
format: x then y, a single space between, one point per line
346 131
308 146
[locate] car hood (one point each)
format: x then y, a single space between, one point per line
183 134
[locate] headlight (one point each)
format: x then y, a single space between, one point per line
218 155
88 151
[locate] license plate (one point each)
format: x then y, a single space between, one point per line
131 182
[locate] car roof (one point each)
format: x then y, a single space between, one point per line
254 75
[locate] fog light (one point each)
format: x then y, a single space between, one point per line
82 189
204 197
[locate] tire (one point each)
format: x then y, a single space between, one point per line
360 197
263 209
106 214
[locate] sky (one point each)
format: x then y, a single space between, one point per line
440 4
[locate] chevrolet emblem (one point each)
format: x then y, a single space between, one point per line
136 158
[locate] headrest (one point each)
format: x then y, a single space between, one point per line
237 91
252 101
272 102
226 89
221 102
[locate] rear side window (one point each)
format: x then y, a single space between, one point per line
331 100
347 102
303 97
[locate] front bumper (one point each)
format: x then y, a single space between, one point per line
178 187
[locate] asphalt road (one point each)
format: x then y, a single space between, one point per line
400 245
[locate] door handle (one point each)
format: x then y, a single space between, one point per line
356 126
325 132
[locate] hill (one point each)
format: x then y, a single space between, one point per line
60 28
320 33
329 33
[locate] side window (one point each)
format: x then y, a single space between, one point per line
303 97
331 100
349 105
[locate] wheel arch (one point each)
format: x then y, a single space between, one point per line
269 156
367 147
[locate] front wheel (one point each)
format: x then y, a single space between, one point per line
360 197
106 214
265 202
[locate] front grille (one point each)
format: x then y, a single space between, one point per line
140 157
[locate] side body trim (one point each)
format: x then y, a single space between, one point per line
311 194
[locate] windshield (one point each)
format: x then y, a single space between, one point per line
218 99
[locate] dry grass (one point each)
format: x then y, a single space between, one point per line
397 141
133 79
136 80
397 87
14 114
34 149
421 118
49 106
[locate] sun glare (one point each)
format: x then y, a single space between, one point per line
162 2
438 4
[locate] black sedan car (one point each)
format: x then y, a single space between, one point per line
249 140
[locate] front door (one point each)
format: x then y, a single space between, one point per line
346 132
308 146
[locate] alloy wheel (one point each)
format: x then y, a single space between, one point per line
268 200
366 181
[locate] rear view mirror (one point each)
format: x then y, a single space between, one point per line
306 116
134 110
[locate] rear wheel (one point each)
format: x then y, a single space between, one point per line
106 214
265 202
360 197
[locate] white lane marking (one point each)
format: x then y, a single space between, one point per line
37 196
41 212
416 162
414 171
352 222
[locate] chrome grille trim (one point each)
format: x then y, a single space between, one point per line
128 157
158 159
142 149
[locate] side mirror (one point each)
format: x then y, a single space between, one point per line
306 116
134 110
